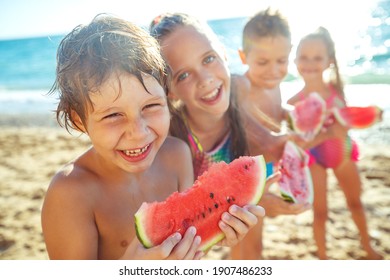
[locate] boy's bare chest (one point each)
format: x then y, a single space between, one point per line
114 215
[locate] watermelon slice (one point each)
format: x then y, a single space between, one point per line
358 117
308 116
241 183
296 183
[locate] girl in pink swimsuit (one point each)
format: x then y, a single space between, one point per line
315 54
332 152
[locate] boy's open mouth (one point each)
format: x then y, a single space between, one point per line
136 152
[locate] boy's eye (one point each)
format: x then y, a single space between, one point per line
262 63
283 61
209 59
152 105
113 115
181 77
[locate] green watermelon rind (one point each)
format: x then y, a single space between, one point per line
139 229
141 233
288 196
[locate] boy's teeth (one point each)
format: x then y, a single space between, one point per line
136 152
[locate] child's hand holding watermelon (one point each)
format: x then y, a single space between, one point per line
236 223
174 247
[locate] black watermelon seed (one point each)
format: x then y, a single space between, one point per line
211 195
210 210
228 199
246 167
203 215
216 205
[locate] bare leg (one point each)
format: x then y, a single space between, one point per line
320 209
348 177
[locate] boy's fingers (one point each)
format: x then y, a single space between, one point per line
271 180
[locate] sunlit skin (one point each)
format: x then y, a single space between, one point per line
200 70
260 97
89 208
312 60
201 80
259 89
267 61
126 125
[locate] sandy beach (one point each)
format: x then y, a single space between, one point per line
31 150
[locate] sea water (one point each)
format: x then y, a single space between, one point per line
27 66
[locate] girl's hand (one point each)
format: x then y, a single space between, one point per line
239 220
236 223
175 247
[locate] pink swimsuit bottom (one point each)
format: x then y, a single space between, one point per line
331 153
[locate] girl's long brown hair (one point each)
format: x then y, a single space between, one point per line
160 28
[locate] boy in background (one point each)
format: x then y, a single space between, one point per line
266 49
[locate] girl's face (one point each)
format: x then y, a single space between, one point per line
267 61
312 59
200 76
128 125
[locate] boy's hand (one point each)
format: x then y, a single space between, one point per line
175 247
275 205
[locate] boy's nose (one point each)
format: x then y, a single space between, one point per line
136 127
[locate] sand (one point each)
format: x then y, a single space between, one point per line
30 155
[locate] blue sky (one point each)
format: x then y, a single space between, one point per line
27 18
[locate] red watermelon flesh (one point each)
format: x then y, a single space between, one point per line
296 182
358 117
241 183
308 116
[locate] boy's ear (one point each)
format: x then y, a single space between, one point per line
77 121
242 56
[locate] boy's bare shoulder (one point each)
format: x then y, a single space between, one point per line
240 82
176 148
75 181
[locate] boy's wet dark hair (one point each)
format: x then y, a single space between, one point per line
90 54
267 23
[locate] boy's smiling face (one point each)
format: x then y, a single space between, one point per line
128 124
267 61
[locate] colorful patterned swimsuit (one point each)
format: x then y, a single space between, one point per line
332 152
202 160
